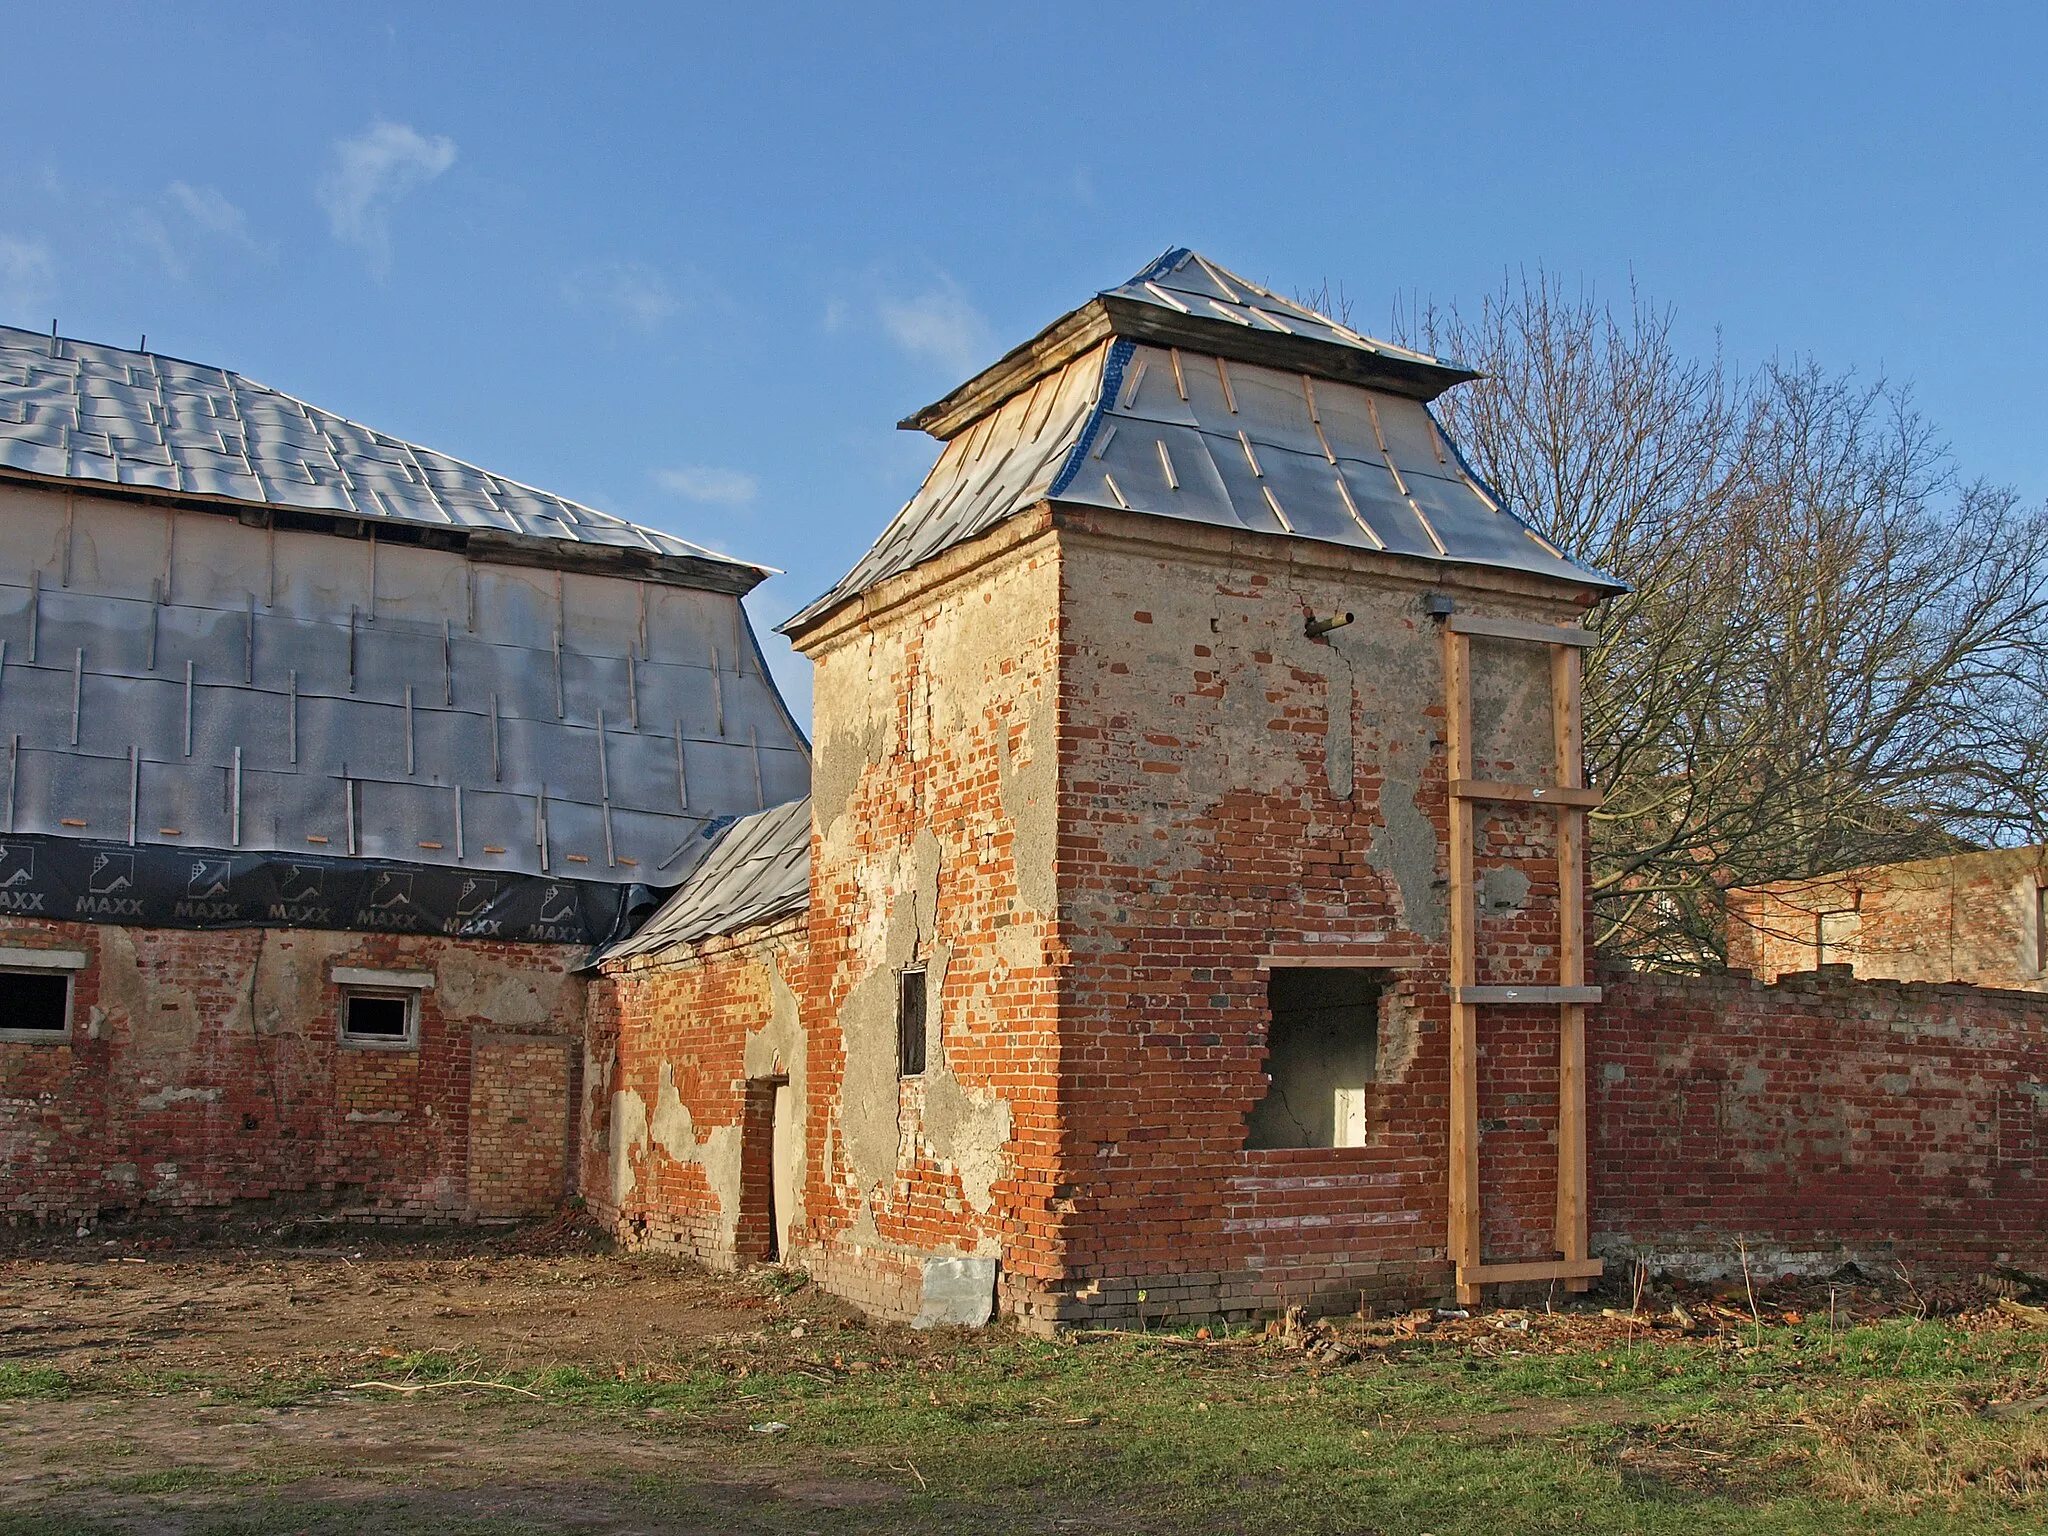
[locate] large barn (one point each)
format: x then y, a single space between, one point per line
324 760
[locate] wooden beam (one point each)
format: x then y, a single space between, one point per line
1526 794
1567 725
1536 1269
1475 996
1519 629
1464 1137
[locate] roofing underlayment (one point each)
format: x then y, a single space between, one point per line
759 870
445 669
1195 394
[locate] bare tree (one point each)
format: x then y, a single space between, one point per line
1833 651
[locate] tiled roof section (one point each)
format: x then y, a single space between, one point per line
78 411
1174 432
759 869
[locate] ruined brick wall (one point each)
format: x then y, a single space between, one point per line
934 789
1975 917
1818 1121
204 1068
673 1042
1232 790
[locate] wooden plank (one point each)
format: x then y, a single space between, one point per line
1526 794
1474 996
1535 1269
1567 724
1519 629
1464 1129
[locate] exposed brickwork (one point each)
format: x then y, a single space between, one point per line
1976 917
1818 1120
204 1068
1232 790
671 1046
1093 782
518 1124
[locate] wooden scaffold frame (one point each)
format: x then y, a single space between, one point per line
1571 799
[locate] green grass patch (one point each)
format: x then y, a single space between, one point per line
18 1382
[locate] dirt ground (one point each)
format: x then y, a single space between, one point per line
160 1312
361 1380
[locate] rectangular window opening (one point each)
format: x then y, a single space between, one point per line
390 1019
1835 935
1322 1058
910 1023
2041 929
35 1005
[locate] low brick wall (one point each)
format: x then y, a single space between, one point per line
1818 1121
204 1068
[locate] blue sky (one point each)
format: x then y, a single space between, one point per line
691 265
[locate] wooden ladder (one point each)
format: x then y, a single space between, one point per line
1571 799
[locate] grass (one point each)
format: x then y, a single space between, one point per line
1879 1429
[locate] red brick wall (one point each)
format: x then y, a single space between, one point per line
935 792
672 1043
204 1069
1819 1120
518 1124
1971 917
1207 822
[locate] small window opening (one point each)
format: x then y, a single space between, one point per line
35 1004
380 1018
2041 929
1322 1059
910 1017
1835 935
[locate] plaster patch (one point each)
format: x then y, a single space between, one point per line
629 1142
1502 891
1404 847
163 1098
968 1131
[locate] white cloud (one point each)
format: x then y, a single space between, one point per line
939 324
372 171
28 279
704 482
633 290
185 218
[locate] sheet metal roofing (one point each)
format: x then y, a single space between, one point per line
1190 431
77 411
186 677
759 869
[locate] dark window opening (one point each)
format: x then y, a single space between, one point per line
1322 1058
910 1015
35 1001
379 1018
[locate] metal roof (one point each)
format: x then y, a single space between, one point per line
760 869
1189 433
77 411
1185 300
194 656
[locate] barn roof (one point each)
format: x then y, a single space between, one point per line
247 634
1192 393
138 422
